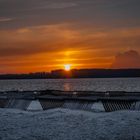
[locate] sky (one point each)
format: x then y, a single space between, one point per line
43 35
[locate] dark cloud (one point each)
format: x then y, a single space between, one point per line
42 12
129 59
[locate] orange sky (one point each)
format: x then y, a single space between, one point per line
31 43
45 48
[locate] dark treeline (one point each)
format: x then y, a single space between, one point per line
82 73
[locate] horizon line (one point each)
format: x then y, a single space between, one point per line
49 72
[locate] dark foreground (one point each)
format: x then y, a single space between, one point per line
64 124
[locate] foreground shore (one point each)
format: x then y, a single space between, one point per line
64 124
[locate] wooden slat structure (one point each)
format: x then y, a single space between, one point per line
82 100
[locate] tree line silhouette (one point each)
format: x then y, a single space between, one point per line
76 73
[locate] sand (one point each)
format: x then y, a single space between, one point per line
65 124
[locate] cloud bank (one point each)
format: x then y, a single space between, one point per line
112 13
129 59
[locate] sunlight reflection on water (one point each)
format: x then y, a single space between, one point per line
101 84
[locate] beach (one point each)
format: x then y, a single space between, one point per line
66 124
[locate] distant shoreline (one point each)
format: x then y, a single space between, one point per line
73 74
67 78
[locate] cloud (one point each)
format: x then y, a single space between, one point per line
60 5
5 19
41 29
43 12
36 40
59 37
39 47
129 59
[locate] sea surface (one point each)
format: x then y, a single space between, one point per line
100 84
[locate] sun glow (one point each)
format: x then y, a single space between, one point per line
67 67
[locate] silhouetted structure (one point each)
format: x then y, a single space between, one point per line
96 73
81 73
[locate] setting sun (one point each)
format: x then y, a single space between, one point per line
67 67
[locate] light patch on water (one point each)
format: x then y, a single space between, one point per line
97 84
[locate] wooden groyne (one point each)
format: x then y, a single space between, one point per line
83 100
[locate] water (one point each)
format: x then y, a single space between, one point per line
102 84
